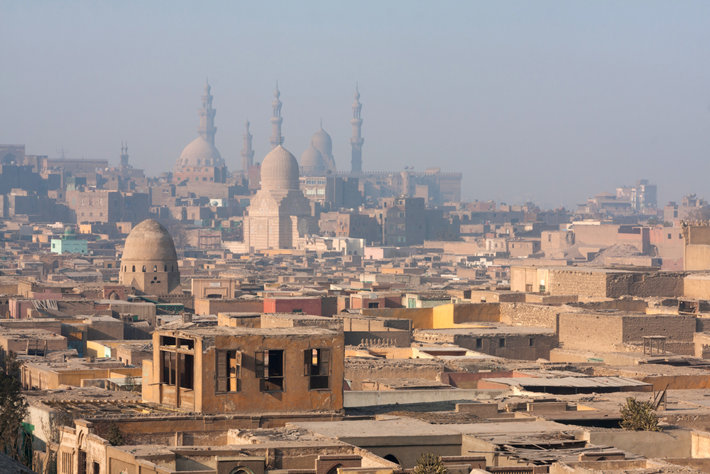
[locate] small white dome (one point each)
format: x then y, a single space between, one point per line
279 170
323 143
312 162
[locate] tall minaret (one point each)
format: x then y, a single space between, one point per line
356 140
276 138
207 128
124 155
247 150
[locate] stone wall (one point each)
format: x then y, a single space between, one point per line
529 314
577 282
590 331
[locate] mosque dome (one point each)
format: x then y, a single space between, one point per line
149 241
312 162
323 143
199 153
279 170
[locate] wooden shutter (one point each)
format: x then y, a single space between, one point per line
221 371
259 364
324 357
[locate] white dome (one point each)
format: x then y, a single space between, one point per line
279 170
323 143
312 162
199 153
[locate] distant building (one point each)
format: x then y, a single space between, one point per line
279 213
200 161
68 243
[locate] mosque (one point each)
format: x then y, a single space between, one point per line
149 262
200 161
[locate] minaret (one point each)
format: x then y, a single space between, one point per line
207 113
356 140
247 150
124 155
276 138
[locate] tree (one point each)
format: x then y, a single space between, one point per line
13 407
429 463
639 416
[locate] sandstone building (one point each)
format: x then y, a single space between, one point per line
149 261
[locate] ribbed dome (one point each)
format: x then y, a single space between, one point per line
312 162
199 153
279 170
322 142
149 241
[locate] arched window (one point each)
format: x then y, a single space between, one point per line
241 470
155 268
392 458
143 268
134 268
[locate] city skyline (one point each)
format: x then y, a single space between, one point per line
528 106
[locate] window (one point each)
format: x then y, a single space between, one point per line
187 370
143 268
134 268
67 467
531 342
155 268
316 365
375 304
501 342
167 367
269 368
228 371
479 343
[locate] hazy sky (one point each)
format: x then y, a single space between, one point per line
548 101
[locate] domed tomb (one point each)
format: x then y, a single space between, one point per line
149 261
279 171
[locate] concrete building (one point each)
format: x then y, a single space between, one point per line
208 368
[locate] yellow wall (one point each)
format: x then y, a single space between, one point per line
421 317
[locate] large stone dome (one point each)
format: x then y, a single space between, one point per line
279 170
312 162
149 262
199 153
149 241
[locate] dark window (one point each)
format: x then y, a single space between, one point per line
187 370
144 268
228 371
479 343
531 342
316 365
134 268
165 268
501 342
167 341
269 367
167 367
187 343
375 304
